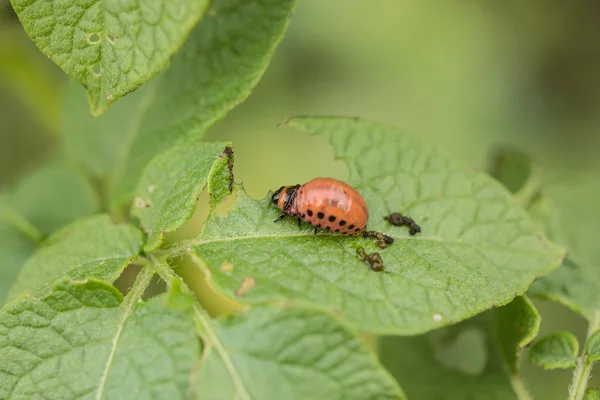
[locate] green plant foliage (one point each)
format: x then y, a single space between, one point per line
217 68
100 143
592 394
49 198
518 324
91 247
15 248
284 353
576 283
84 341
168 191
477 248
592 347
455 363
558 350
109 47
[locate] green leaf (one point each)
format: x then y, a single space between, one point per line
558 350
592 394
568 212
15 248
477 247
168 190
455 363
290 353
49 198
592 347
99 143
518 325
84 341
91 247
109 47
219 65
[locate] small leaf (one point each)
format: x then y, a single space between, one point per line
14 250
518 325
168 190
592 347
592 394
51 197
477 247
449 363
558 350
219 65
291 353
91 247
82 341
109 47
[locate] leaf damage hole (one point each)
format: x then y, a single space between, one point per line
109 96
94 38
112 38
96 70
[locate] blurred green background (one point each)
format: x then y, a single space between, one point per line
469 75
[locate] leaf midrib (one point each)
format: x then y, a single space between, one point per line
182 247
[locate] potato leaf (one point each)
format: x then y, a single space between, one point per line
91 247
290 353
111 48
477 248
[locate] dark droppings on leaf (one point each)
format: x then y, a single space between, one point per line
373 260
398 219
228 152
382 240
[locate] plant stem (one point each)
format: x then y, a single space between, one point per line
530 189
519 388
584 367
20 223
205 322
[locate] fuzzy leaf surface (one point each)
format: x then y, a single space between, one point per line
477 247
110 47
91 247
558 350
83 341
216 69
455 363
518 324
291 353
168 190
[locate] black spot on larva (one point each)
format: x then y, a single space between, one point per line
318 225
309 212
327 228
357 229
337 230
342 223
331 218
351 227
344 233
320 215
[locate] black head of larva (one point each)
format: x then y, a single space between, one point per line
275 198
